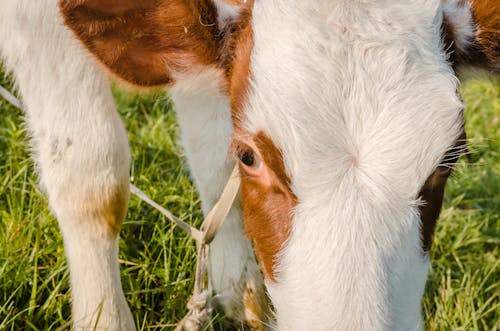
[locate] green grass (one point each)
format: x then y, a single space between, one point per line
157 261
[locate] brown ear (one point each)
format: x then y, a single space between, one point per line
471 32
145 42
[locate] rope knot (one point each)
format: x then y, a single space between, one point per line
199 312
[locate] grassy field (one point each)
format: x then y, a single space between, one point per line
157 261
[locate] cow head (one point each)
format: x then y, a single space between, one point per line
346 122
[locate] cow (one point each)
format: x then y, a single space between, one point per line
344 118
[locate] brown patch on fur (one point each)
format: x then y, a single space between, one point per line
433 191
486 14
144 42
432 194
109 207
235 58
268 204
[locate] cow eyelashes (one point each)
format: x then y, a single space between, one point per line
444 171
452 155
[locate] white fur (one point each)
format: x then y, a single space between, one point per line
80 147
365 109
226 13
460 16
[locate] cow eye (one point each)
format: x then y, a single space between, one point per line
247 158
250 161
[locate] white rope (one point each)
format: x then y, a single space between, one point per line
11 98
191 230
200 303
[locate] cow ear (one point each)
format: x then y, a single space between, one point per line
471 33
146 42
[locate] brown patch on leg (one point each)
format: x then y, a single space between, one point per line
108 207
115 211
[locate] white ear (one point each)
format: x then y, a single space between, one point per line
458 24
471 33
228 11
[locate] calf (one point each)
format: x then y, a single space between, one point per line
343 115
